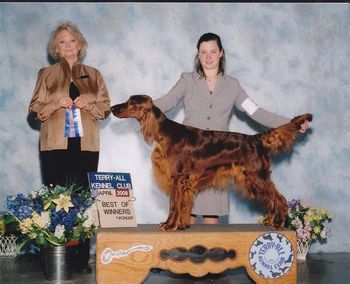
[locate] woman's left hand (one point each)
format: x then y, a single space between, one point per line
304 126
82 102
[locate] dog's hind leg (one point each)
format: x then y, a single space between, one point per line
281 207
264 191
276 207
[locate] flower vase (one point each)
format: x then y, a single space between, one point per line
303 249
57 262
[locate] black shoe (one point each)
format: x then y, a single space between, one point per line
87 269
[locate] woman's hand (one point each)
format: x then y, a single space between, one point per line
82 102
65 102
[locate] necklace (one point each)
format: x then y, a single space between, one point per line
210 79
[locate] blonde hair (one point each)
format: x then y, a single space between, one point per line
74 30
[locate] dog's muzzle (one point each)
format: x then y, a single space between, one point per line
116 109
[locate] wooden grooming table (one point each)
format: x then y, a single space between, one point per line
126 255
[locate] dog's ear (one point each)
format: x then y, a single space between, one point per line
146 101
146 127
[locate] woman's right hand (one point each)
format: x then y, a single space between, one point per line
46 111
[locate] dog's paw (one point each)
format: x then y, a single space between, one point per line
160 226
183 227
165 227
267 221
277 227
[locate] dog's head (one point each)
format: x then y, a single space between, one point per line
135 107
300 119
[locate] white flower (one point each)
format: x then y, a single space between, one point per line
34 193
37 192
43 220
90 214
63 202
88 223
324 233
59 231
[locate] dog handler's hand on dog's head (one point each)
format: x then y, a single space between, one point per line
304 127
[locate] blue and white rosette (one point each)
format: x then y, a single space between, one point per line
73 125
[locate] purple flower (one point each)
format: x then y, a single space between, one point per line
293 204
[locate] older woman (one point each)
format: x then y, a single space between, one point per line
69 99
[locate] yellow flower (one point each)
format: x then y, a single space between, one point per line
63 202
317 230
26 225
32 235
2 227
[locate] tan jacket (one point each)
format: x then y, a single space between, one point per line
53 83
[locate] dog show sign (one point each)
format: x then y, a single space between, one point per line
114 198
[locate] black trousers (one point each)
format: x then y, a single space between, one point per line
64 167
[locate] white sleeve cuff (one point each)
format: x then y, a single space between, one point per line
249 106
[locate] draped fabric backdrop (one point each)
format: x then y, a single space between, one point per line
290 58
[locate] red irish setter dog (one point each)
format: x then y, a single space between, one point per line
187 160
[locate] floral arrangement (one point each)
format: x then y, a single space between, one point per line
52 216
309 223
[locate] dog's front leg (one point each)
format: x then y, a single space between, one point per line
177 211
187 204
171 223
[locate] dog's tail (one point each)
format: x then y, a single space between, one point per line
282 138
